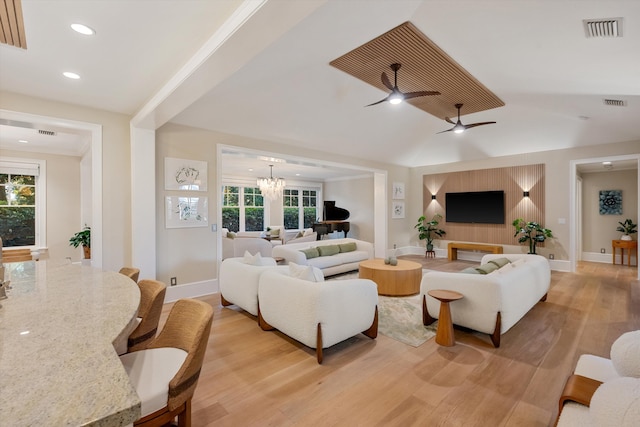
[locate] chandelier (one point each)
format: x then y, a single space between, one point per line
271 188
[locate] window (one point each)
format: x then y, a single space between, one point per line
299 208
242 209
21 193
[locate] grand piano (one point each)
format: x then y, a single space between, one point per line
333 219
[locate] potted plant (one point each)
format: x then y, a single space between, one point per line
628 228
427 230
532 232
82 238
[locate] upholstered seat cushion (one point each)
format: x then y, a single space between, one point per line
150 372
595 367
625 354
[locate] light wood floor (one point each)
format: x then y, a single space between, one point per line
255 378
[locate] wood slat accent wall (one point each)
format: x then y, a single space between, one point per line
512 180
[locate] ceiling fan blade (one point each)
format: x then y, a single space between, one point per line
379 102
447 119
410 95
472 125
448 130
386 81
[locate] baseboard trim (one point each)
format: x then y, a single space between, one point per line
191 290
606 258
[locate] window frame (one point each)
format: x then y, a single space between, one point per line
40 199
301 190
241 205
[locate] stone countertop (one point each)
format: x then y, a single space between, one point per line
57 362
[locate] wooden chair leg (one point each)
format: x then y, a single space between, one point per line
544 298
495 337
372 332
319 344
426 317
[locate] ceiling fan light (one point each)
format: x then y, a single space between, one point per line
459 128
395 99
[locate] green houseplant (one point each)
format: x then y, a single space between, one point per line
628 228
531 232
82 238
427 229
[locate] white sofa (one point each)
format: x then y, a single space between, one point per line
238 245
329 265
317 314
616 401
239 282
493 302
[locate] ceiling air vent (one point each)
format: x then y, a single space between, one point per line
609 27
615 102
46 132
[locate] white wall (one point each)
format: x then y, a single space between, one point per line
356 196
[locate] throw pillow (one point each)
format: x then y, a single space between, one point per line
310 253
470 270
274 232
625 354
347 247
500 262
300 234
307 232
231 235
254 259
486 268
328 250
305 272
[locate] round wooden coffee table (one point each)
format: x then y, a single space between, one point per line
393 280
444 334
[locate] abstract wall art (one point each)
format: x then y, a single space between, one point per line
610 202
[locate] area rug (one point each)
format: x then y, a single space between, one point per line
400 318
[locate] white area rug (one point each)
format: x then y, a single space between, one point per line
399 318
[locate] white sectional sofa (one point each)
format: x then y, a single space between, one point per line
341 262
492 302
317 314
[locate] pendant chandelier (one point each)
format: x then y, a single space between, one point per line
271 188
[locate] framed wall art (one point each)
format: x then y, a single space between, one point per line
183 174
398 191
610 202
397 210
183 212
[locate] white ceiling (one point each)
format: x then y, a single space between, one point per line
532 54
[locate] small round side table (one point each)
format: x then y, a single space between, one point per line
444 335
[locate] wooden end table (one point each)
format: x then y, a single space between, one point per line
444 335
629 245
393 280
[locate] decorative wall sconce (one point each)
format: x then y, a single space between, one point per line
525 194
433 197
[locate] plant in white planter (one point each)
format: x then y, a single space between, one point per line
628 228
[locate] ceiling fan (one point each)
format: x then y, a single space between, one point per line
459 127
396 97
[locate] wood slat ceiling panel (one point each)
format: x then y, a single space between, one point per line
424 67
12 24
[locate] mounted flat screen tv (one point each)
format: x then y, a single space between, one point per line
480 207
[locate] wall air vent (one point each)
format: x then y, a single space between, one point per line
46 132
609 27
615 102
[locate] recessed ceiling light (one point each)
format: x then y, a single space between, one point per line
71 75
83 29
23 141
297 174
606 163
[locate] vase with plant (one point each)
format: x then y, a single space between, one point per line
428 229
82 238
531 232
628 228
